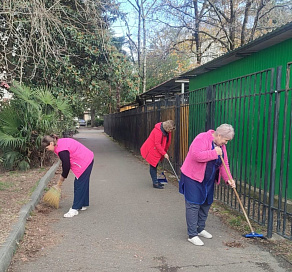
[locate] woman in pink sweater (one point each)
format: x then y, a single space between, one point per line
201 169
154 149
79 159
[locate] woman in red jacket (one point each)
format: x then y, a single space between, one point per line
155 148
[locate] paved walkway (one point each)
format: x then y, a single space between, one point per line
132 227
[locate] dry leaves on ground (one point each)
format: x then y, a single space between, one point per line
16 188
38 236
15 191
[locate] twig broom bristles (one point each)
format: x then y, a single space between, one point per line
52 197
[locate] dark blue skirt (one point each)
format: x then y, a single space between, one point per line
200 192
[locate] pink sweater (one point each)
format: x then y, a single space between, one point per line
200 152
80 156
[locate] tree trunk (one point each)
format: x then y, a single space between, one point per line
244 23
110 102
144 49
139 39
196 34
118 98
232 28
92 115
256 20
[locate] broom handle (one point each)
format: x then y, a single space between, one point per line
173 170
59 183
240 203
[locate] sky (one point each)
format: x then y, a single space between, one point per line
119 26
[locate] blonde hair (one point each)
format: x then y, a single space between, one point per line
168 125
225 130
47 139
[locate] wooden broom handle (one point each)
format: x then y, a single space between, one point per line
240 203
59 183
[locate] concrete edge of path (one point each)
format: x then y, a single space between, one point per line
8 248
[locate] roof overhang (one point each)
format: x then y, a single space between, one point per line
166 89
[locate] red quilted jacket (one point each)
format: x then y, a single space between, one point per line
156 146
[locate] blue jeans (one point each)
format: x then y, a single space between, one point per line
196 216
153 174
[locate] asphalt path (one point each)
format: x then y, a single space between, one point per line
130 226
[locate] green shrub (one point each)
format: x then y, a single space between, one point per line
98 122
30 115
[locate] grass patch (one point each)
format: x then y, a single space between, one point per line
21 202
5 185
33 188
235 222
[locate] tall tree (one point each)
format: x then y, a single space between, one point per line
138 38
163 60
223 24
39 35
64 45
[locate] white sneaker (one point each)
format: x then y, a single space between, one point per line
205 234
83 208
196 241
71 213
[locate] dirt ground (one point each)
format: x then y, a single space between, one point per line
15 190
16 187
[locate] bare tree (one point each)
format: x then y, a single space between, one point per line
143 9
219 24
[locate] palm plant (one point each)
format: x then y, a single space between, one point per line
23 122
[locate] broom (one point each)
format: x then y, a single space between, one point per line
253 234
52 197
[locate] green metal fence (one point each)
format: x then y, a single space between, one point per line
259 155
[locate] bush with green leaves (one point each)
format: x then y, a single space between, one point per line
29 115
98 122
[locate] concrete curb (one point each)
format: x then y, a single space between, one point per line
9 247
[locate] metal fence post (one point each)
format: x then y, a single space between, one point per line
274 154
210 116
158 110
177 131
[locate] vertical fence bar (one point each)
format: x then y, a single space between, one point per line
252 168
260 78
280 194
265 164
247 150
236 125
232 112
210 116
261 129
177 131
287 88
273 160
285 211
242 135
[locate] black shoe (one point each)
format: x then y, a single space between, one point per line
161 184
158 186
